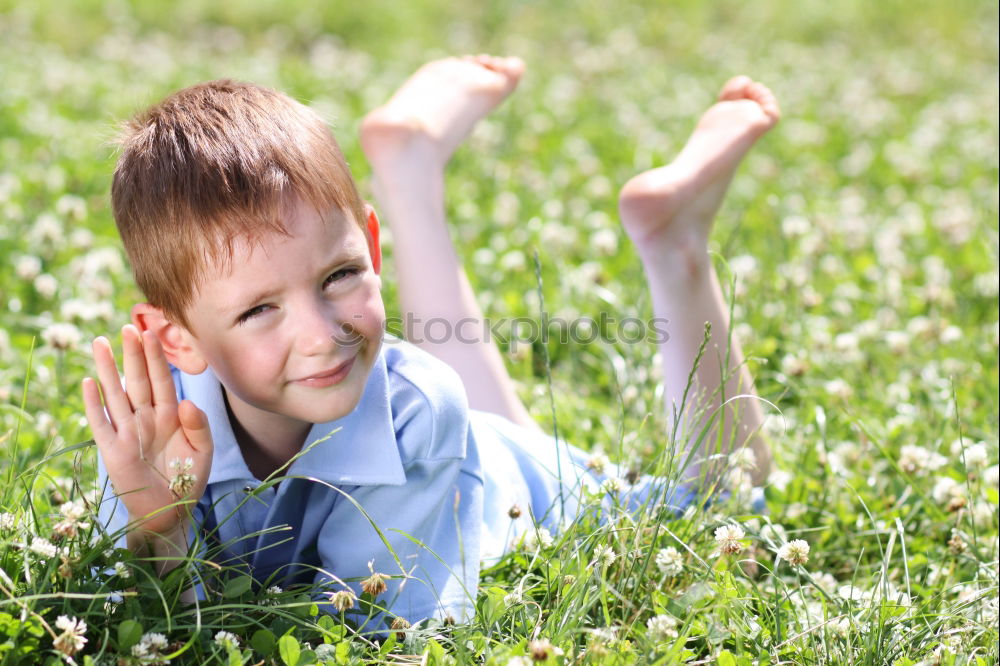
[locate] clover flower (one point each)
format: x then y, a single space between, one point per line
918 460
728 537
598 462
976 456
669 561
227 640
537 538
8 521
62 336
661 627
72 639
182 481
150 649
540 649
43 547
795 552
71 523
343 600
743 458
375 584
612 485
604 556
399 625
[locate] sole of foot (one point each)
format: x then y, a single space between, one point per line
677 202
436 109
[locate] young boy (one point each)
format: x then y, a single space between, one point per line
259 354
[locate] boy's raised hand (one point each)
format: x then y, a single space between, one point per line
157 453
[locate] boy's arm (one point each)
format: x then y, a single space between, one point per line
157 453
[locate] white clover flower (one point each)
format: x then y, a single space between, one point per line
982 514
537 538
8 521
795 552
991 477
62 336
661 628
851 593
274 590
227 640
743 458
28 267
43 547
669 561
612 485
150 649
71 523
182 481
728 537
604 556
780 479
46 285
826 582
838 388
513 598
947 489
976 456
122 570
738 480
343 600
520 660
917 460
605 241
72 639
598 462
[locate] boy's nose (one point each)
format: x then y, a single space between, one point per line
321 331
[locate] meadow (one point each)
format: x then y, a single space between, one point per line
859 245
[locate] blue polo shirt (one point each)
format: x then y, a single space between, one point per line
411 481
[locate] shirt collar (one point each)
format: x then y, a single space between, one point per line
358 449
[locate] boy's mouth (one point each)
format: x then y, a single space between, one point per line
329 377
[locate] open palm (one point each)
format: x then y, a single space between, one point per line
157 453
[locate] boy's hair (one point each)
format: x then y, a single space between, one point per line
212 164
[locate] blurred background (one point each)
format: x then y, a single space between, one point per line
871 210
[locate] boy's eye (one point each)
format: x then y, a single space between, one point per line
341 274
249 314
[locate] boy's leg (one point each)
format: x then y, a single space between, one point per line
668 213
408 142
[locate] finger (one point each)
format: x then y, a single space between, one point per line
115 399
195 425
100 425
160 378
136 375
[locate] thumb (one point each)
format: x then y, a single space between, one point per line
195 425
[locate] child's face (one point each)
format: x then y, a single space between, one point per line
293 329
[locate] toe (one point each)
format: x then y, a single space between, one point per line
735 88
761 94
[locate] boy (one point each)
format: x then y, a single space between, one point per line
261 266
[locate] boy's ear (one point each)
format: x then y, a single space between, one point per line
374 248
177 341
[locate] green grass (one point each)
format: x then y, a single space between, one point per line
869 312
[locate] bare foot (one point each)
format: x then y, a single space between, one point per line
673 206
437 107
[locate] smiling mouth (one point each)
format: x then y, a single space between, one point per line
329 377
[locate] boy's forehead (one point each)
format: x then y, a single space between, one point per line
333 229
